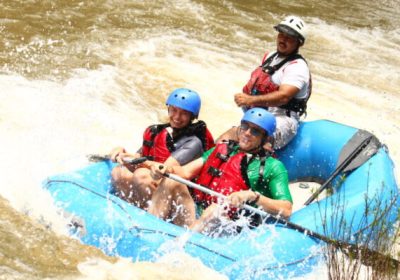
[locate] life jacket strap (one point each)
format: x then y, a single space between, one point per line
148 143
261 170
216 172
154 131
266 65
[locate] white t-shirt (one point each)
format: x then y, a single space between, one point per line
294 73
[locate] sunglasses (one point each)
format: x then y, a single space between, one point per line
253 130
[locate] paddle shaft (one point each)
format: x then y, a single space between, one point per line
360 250
246 206
340 168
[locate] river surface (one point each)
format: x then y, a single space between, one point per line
80 77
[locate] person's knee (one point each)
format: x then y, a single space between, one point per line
141 176
120 174
116 174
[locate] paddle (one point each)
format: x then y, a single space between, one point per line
357 150
129 160
368 256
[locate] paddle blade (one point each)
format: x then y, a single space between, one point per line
368 149
367 256
97 158
357 150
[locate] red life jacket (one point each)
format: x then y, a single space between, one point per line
261 82
158 143
222 173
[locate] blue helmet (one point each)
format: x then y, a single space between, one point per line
185 99
262 118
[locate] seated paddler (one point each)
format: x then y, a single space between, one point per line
242 171
177 142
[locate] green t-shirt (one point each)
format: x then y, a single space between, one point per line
276 182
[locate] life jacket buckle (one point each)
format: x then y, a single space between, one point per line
222 157
215 172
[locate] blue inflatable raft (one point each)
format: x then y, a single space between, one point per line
269 251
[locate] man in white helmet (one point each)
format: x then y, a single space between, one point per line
282 83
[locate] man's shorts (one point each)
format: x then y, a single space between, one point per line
286 129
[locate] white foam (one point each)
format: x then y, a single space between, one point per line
48 127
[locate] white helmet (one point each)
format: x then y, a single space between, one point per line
293 26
